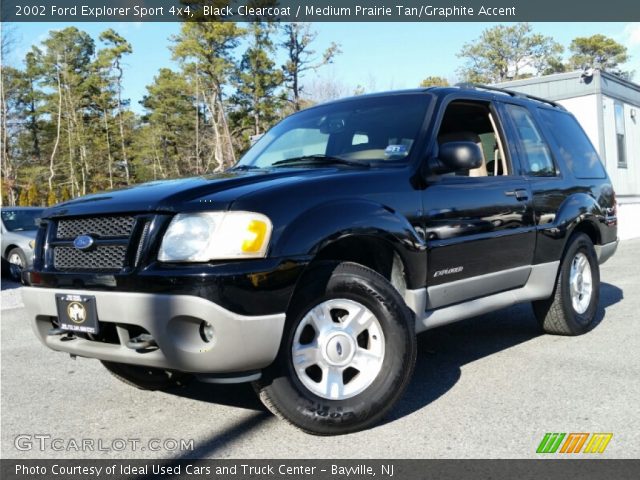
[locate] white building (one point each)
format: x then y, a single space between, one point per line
608 108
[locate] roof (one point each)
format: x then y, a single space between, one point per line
486 92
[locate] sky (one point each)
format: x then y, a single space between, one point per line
376 56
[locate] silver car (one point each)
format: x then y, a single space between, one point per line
19 227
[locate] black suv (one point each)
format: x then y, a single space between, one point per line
310 266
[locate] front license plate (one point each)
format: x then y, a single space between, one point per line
77 313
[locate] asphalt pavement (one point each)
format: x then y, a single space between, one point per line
488 387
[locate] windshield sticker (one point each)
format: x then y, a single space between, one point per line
395 150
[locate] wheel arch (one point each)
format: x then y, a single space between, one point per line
5 254
361 232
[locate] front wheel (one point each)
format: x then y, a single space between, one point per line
17 262
572 308
347 355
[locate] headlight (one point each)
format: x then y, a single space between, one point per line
200 237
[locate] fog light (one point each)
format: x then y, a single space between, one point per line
206 331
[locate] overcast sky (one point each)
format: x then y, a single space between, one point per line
377 56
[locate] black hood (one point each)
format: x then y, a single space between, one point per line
217 190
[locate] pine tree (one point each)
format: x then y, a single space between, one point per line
301 58
51 198
205 51
257 101
23 199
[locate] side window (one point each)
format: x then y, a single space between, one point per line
473 121
574 147
537 158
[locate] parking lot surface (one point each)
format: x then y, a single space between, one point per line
488 387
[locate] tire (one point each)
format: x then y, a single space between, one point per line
342 381
147 378
571 310
17 261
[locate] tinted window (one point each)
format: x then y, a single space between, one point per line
537 160
573 145
20 220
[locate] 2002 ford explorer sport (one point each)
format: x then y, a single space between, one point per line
310 266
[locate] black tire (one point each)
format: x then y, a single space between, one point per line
284 394
557 314
15 268
147 378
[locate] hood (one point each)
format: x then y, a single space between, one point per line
217 190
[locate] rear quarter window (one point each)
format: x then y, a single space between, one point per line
574 146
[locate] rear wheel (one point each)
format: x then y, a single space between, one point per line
571 310
147 378
347 354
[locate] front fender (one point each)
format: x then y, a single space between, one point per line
324 224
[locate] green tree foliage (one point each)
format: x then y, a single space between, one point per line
205 51
598 51
301 58
66 129
508 52
168 125
434 81
109 74
23 200
52 199
33 197
258 100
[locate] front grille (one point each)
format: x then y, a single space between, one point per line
101 227
116 239
104 257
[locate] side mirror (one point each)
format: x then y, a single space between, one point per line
454 156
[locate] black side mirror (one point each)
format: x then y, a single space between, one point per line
454 156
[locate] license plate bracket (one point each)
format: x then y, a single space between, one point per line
77 313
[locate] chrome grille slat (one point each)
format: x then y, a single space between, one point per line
102 227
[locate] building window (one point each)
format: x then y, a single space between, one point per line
622 150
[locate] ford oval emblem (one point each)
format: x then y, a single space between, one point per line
83 242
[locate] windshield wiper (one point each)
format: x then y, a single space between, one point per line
321 159
246 167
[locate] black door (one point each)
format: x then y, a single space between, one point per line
479 224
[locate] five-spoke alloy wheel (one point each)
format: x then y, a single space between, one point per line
572 308
347 354
338 349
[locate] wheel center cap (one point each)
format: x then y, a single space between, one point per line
339 349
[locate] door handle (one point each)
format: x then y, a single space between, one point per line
521 194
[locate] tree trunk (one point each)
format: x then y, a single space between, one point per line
52 171
109 157
125 160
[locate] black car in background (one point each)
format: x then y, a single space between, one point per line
348 228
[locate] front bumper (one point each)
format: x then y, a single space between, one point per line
241 343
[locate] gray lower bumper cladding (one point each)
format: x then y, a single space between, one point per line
239 344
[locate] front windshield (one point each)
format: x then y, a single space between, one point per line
20 220
363 130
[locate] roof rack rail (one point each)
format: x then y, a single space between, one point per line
513 93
